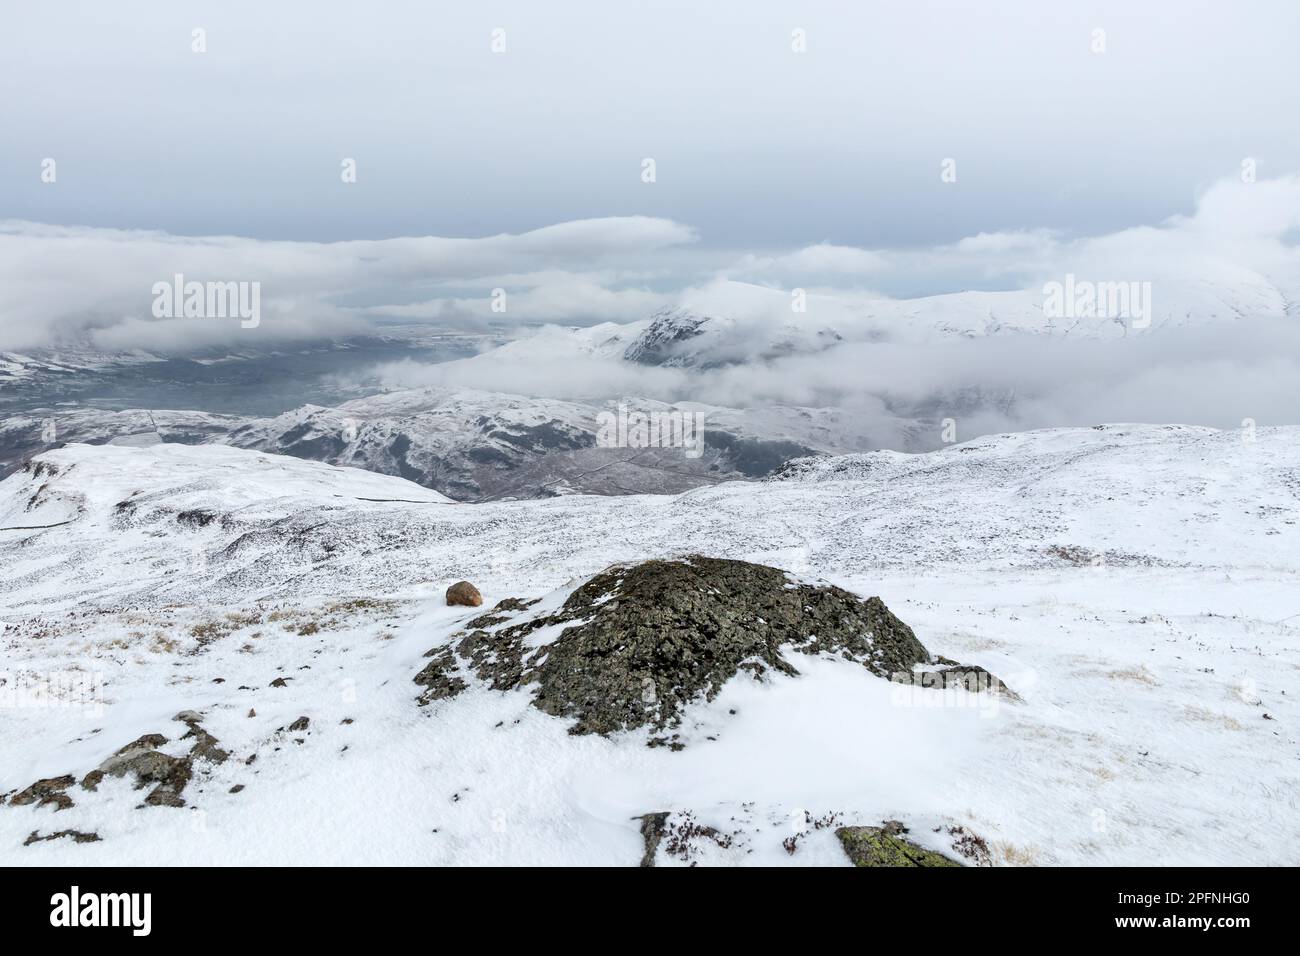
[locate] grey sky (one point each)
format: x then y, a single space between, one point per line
756 145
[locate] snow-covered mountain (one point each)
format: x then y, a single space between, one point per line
257 624
680 338
750 324
687 338
475 445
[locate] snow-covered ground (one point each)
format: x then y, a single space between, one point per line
1135 585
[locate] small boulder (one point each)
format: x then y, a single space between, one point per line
465 594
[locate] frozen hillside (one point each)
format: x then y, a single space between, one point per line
475 445
1134 586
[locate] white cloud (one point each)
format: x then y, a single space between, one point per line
90 285
86 285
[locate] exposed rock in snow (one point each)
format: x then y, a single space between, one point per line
51 790
143 762
885 846
634 645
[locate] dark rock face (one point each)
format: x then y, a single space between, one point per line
643 641
196 517
439 677
548 436
885 846
662 342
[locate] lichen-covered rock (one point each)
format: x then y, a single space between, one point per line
637 643
657 635
465 594
886 846
499 614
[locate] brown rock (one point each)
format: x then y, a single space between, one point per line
49 790
464 593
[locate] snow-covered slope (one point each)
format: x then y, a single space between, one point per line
1135 585
474 445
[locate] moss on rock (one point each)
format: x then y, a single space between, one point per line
885 846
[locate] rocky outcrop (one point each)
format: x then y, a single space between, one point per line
635 644
648 639
144 762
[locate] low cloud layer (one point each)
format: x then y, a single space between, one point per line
69 285
1226 283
